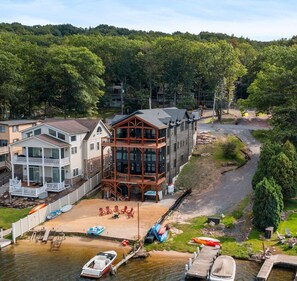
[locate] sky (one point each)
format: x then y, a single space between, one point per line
262 20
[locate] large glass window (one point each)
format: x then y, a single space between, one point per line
73 138
61 136
3 143
52 132
2 129
37 132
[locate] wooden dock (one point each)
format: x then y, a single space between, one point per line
202 263
280 260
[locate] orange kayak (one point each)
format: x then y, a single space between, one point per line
36 208
207 242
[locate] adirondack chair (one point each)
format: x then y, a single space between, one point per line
116 209
281 238
108 210
288 233
101 212
130 213
123 211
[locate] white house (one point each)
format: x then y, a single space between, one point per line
57 154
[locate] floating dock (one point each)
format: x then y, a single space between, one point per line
203 261
280 260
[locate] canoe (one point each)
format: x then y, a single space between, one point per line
99 265
207 241
53 214
223 269
66 208
37 208
95 230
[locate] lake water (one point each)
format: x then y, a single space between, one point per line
29 261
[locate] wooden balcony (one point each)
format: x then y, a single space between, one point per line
134 142
148 178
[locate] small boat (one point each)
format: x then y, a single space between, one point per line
99 265
207 241
223 269
66 208
95 230
53 214
37 208
160 237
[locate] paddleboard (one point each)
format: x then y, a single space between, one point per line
66 208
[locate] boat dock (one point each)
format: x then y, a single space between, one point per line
280 260
203 261
4 242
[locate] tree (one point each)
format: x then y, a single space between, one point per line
268 204
268 150
281 168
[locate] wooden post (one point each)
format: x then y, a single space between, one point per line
138 220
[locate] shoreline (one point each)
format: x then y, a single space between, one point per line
94 242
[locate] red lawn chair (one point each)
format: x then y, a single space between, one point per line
116 209
101 212
123 211
108 210
130 213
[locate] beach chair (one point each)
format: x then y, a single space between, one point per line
116 209
108 210
288 233
130 213
101 212
281 238
123 211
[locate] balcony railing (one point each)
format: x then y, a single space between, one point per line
110 141
133 177
16 189
38 161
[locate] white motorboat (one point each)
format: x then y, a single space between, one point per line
223 269
99 265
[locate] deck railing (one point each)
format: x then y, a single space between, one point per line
16 189
38 161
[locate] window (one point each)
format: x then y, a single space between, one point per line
37 132
91 167
73 138
92 146
182 126
168 149
29 134
61 136
73 150
99 130
168 132
174 163
175 130
168 167
75 172
15 129
52 132
98 145
175 147
151 167
2 129
3 143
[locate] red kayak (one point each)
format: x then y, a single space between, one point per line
207 241
37 208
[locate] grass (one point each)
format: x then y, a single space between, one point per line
261 135
10 215
239 210
236 155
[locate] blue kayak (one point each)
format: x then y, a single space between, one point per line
53 214
160 237
95 230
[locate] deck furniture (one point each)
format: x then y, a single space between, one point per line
108 210
130 213
123 211
288 233
101 212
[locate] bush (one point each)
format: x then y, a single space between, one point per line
229 150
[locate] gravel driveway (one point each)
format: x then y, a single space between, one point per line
231 187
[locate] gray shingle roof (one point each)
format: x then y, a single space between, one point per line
52 140
69 126
18 122
158 117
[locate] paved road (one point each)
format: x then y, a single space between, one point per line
233 186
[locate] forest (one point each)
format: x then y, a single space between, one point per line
62 70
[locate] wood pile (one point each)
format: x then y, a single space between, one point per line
205 138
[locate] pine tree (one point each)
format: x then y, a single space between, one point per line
268 204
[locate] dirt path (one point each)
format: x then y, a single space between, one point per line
226 190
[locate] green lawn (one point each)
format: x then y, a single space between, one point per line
10 215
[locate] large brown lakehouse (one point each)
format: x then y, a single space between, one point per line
149 147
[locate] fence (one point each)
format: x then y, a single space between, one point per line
23 225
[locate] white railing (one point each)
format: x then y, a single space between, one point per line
55 186
38 161
16 189
30 221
